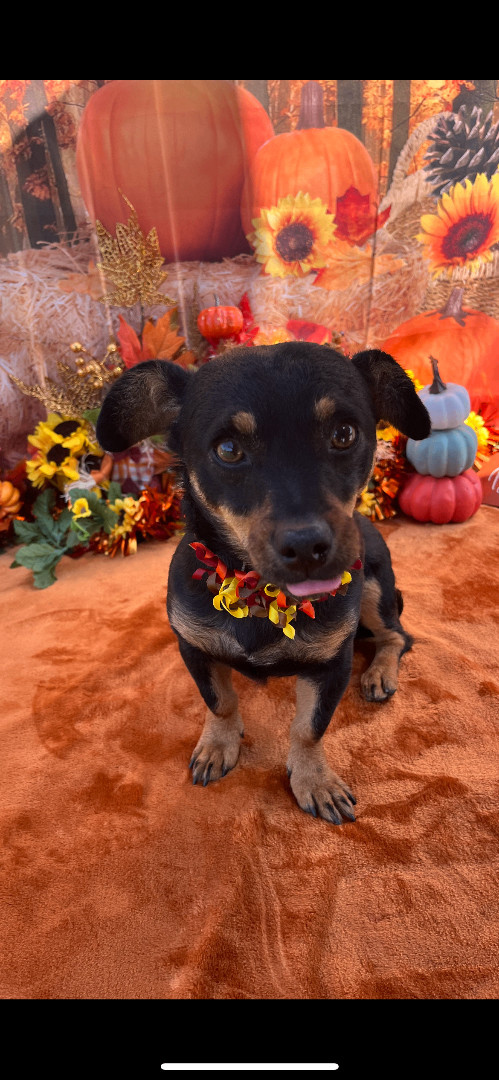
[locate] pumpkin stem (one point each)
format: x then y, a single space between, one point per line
217 300
311 106
453 308
437 386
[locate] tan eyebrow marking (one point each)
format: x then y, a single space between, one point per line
244 422
324 408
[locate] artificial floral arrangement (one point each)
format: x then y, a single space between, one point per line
69 498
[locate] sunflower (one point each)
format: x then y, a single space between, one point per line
465 226
59 442
293 237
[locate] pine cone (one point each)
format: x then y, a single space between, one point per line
462 146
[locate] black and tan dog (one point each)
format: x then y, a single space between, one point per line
275 444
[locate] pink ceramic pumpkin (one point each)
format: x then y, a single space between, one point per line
441 500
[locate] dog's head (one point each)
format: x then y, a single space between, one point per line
275 442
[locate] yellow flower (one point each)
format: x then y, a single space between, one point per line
72 434
465 226
476 422
417 384
56 466
128 511
60 441
293 237
387 434
43 438
366 503
81 508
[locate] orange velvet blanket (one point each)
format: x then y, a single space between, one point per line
122 880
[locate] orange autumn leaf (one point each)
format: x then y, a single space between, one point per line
132 350
91 282
354 266
162 339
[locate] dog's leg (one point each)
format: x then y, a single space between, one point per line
317 789
381 606
217 750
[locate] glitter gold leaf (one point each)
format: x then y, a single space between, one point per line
132 262
81 387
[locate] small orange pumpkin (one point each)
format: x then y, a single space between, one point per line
465 342
10 503
220 322
323 161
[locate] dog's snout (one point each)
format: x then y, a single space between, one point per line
304 548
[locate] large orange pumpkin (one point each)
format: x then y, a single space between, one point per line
465 342
323 161
179 149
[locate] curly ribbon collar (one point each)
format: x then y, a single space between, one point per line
245 594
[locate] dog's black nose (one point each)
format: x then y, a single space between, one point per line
304 548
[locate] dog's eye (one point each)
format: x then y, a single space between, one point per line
229 451
343 436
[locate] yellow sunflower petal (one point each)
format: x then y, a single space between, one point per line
461 196
480 194
69 471
433 225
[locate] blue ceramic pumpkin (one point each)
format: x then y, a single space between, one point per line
444 453
448 403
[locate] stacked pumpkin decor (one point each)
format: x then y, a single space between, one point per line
444 487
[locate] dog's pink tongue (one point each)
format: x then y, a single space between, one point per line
310 588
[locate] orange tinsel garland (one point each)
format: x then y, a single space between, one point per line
159 517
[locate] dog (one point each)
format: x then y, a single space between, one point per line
277 572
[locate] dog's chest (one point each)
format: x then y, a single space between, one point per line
227 642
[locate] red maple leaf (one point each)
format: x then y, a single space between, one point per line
308 331
357 217
249 331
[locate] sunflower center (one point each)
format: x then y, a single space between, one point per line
57 454
466 237
66 427
295 242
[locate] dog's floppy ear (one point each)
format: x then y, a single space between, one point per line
393 395
142 402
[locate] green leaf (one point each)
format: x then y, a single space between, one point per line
84 528
27 531
91 415
37 556
43 578
62 527
73 539
114 491
82 493
42 511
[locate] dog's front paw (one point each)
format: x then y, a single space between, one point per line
216 752
320 792
379 682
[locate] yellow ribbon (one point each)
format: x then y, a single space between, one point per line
228 599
